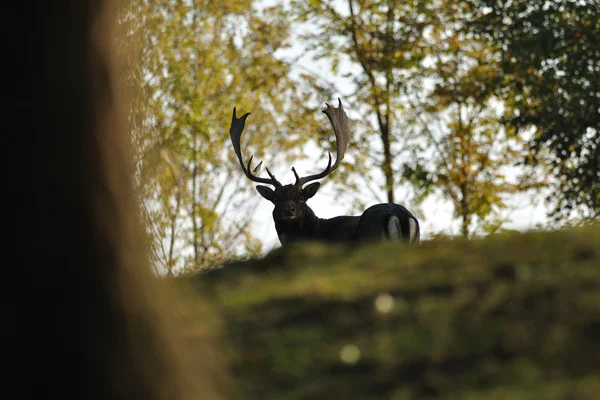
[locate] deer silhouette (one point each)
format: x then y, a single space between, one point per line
295 221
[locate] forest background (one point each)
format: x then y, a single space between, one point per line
480 116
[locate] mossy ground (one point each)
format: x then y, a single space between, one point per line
516 316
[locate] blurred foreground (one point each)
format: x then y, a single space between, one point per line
512 317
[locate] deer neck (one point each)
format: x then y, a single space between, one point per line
304 229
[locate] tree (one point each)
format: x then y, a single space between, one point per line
426 82
462 152
197 61
550 58
386 40
93 319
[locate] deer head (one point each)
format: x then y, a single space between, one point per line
290 200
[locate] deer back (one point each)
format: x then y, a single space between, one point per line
387 221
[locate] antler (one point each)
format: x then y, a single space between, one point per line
235 132
339 121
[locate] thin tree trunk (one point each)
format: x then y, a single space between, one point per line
195 166
170 260
464 190
383 120
466 216
194 201
387 162
385 133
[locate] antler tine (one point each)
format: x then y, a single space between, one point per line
296 175
273 178
235 133
339 122
257 168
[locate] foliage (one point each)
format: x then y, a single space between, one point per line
424 81
509 316
550 58
429 78
463 152
386 44
196 61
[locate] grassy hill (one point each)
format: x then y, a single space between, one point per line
516 316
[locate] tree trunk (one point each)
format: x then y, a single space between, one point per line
383 120
385 133
387 163
464 201
195 161
194 202
464 209
82 304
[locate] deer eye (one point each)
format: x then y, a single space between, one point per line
275 200
302 199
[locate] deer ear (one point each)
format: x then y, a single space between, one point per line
266 192
311 190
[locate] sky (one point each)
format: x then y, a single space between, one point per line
438 213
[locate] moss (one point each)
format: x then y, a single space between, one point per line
512 316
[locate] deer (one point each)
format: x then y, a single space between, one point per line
295 221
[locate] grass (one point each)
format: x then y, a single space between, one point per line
514 316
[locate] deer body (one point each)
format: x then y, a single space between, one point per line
381 221
295 220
